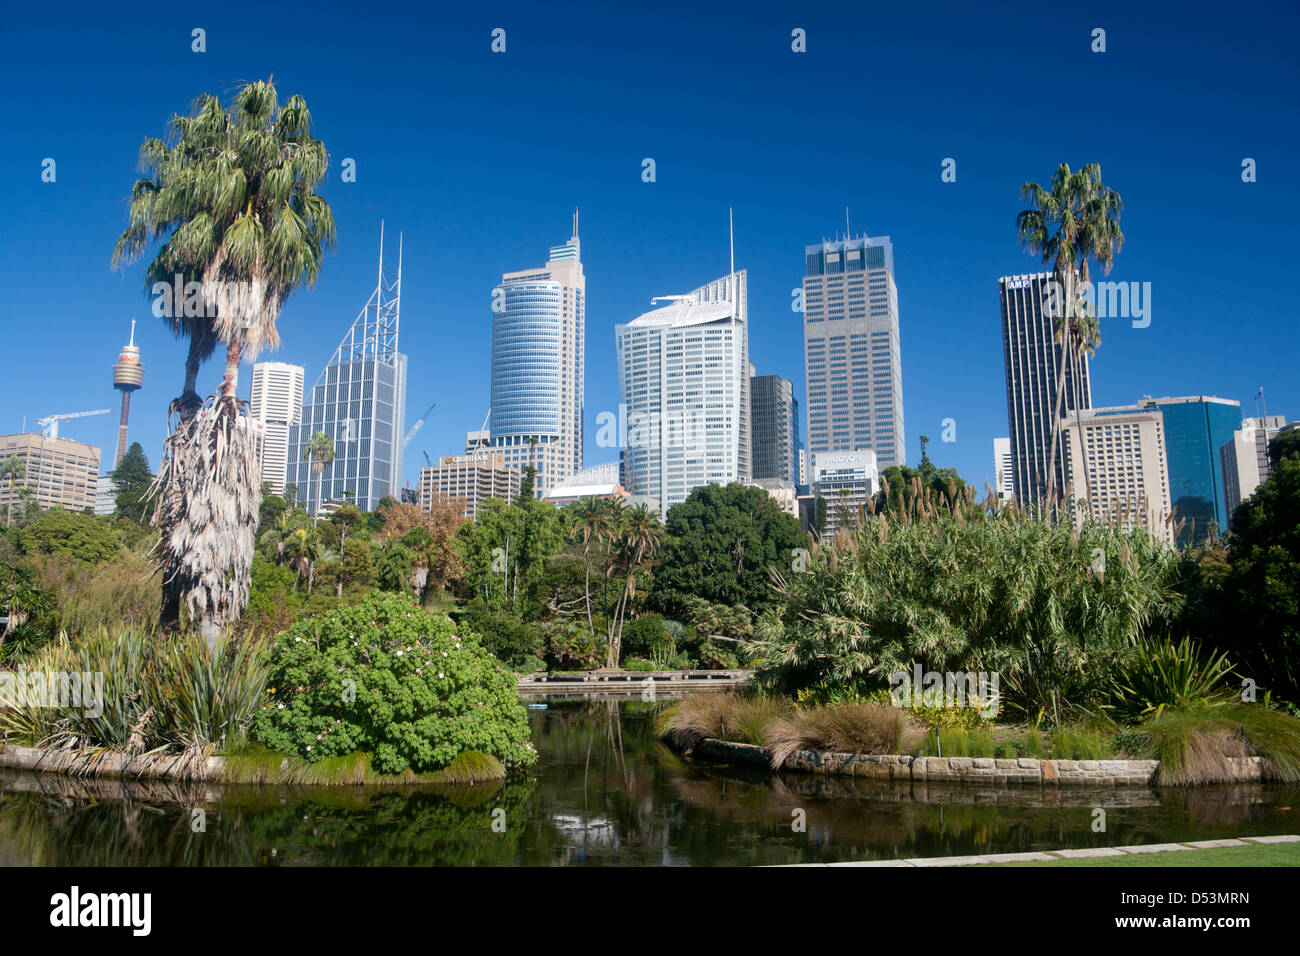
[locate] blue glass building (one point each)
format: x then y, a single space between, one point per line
1196 427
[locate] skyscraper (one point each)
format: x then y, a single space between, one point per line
774 418
359 401
1032 360
60 472
539 322
128 375
684 376
851 349
1196 427
1115 457
276 402
1244 459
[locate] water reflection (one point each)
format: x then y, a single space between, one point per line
604 792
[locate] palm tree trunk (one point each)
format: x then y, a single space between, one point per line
587 561
230 381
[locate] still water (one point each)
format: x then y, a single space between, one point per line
604 791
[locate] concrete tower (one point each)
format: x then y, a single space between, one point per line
128 375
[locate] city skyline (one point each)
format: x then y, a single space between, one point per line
953 239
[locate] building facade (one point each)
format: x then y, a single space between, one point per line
1116 469
599 481
774 419
60 472
276 403
1002 470
851 349
472 478
539 329
1196 427
1244 460
684 379
1033 360
359 401
846 480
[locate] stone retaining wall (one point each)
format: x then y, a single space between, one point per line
980 770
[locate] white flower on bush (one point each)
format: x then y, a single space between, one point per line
440 675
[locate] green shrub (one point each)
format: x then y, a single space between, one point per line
571 646
1157 674
385 677
502 633
1080 742
1193 744
643 635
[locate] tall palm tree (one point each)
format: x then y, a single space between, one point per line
15 469
1087 340
302 551
637 541
320 452
1072 223
232 198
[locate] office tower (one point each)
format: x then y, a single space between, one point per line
847 480
774 420
1032 359
105 496
1126 482
683 373
539 321
1002 469
60 472
1244 460
128 375
359 401
471 478
1196 427
276 403
851 349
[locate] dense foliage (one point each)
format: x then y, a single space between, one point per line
387 678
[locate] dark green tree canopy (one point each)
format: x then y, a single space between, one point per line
132 477
79 536
721 544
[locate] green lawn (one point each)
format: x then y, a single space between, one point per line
1271 854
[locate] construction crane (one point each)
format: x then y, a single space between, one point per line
481 429
417 426
427 460
50 423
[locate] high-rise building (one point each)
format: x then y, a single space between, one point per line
276 403
1002 469
774 419
1244 459
846 480
1115 462
684 376
128 375
539 322
471 478
1195 428
359 401
1032 359
851 349
59 473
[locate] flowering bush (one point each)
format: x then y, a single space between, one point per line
387 678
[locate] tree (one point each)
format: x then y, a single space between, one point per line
320 452
14 469
1283 445
232 197
723 542
592 523
505 549
132 478
340 523
302 551
635 541
291 494
70 534
1074 222
429 538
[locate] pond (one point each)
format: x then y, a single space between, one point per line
604 791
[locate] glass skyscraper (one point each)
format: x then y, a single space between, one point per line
851 349
539 322
1032 360
1196 427
359 401
774 420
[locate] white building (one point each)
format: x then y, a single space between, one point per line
1126 479
276 403
684 378
1003 482
847 480
105 496
1244 459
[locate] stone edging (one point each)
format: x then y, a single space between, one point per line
1018 770
108 764
1050 855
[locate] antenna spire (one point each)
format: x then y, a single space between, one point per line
731 226
847 234
132 342
575 222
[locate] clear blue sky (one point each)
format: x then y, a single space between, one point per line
480 158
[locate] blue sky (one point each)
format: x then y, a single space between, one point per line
480 158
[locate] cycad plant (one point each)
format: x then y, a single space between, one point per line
231 196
